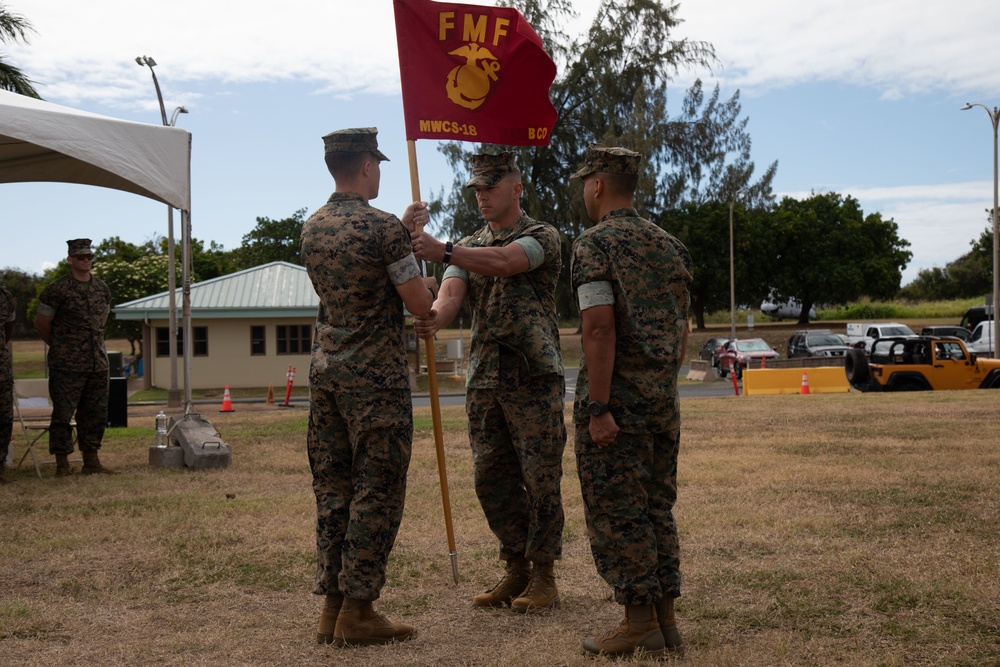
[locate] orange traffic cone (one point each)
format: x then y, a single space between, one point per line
270 394
227 402
805 384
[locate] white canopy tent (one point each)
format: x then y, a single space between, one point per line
40 141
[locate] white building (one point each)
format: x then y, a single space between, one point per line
247 329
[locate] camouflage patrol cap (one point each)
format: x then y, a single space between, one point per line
489 169
79 247
354 140
609 160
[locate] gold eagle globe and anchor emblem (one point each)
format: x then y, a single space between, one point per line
469 85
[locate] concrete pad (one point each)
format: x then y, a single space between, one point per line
701 370
202 445
166 457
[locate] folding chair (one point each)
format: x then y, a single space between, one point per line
32 396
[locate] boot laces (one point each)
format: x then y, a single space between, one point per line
537 584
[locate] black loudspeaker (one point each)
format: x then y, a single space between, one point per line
115 368
118 403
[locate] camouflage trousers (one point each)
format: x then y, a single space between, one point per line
629 489
86 396
359 451
6 416
518 435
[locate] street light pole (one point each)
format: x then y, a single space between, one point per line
174 393
994 115
732 269
146 60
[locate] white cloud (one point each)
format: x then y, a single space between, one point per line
87 50
84 55
938 220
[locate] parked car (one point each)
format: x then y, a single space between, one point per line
947 330
710 350
736 355
975 315
919 364
863 334
981 339
817 343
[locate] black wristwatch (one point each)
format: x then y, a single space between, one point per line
447 252
597 408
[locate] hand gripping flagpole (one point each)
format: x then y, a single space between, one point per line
411 150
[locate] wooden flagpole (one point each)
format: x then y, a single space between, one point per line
411 150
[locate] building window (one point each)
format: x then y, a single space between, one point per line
294 338
258 344
163 342
200 335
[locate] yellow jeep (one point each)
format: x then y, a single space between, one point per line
920 364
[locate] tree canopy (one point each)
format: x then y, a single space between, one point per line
613 89
271 241
970 275
14 28
824 249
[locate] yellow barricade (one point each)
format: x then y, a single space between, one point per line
821 380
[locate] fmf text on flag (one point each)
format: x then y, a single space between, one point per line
473 73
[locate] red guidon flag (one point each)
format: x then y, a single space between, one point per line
473 73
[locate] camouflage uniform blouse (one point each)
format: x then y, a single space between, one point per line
79 311
356 255
517 313
7 305
648 273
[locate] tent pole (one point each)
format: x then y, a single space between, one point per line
173 394
186 304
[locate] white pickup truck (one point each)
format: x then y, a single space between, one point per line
863 334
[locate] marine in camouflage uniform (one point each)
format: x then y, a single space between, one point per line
632 281
515 387
360 414
72 312
7 306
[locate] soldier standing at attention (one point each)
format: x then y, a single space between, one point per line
632 282
71 316
516 389
360 412
7 305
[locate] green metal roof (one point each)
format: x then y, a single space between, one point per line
278 289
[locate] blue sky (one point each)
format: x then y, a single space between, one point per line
857 97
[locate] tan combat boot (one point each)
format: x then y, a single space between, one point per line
92 465
668 626
62 466
328 618
541 592
358 624
512 585
639 632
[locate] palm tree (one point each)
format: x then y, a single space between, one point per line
13 27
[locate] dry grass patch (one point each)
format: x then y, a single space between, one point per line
822 530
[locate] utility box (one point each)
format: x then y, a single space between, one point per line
202 445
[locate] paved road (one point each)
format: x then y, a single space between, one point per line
687 390
422 400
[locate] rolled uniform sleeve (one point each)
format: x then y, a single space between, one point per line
45 310
534 250
598 293
404 270
590 272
